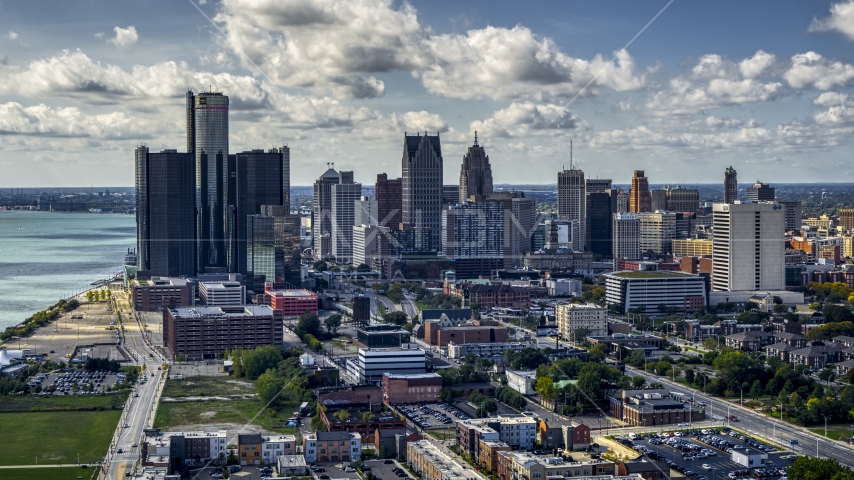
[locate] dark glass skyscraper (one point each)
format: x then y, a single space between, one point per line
165 212
272 248
208 135
422 185
601 207
258 178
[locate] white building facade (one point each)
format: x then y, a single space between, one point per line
572 317
749 247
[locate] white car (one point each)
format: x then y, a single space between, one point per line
706 466
682 425
349 469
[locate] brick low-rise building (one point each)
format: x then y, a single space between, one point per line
652 407
158 293
430 463
438 336
488 454
179 450
411 388
198 333
291 302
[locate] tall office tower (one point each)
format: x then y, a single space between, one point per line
473 237
475 173
639 200
210 143
450 194
685 200
272 249
572 201
657 200
520 214
656 231
846 219
255 178
368 243
164 212
597 185
760 192
730 185
422 185
601 207
389 201
191 122
365 212
626 237
792 211
622 201
321 225
344 197
748 247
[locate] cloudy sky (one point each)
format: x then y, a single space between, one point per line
680 89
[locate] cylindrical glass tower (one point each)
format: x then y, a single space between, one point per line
211 149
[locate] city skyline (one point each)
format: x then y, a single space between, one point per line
646 87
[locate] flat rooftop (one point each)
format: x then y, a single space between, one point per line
651 274
291 292
410 376
231 311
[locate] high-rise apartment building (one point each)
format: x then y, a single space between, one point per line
389 201
639 197
272 252
259 178
321 227
760 192
730 185
658 200
209 140
656 231
622 200
572 201
846 218
422 168
344 197
165 212
685 200
475 173
749 247
520 214
597 185
473 237
626 236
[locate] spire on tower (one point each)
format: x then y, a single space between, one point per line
475 138
570 154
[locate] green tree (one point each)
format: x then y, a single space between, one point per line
342 415
579 335
397 318
545 386
597 353
333 323
638 382
258 361
307 323
689 376
267 387
475 310
756 389
320 266
811 468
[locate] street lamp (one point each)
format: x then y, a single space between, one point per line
825 429
742 396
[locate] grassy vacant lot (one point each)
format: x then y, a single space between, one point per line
32 403
60 473
834 432
174 414
207 387
55 436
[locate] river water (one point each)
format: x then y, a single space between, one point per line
45 256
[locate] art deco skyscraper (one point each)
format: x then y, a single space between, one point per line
422 186
730 185
210 143
640 199
475 173
321 226
164 212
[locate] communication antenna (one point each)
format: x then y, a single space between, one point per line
570 154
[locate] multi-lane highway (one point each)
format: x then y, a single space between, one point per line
759 424
139 413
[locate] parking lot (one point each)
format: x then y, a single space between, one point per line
336 470
63 383
433 415
245 473
706 455
384 471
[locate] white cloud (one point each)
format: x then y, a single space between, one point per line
757 65
220 59
42 120
715 82
338 47
840 109
841 19
811 70
526 119
124 36
11 35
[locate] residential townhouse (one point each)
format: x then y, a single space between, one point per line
430 463
274 446
528 466
332 446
